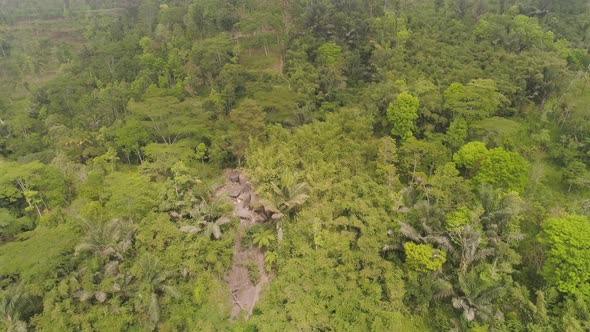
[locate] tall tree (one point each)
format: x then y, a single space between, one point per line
248 122
402 113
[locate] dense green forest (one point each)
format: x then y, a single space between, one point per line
295 165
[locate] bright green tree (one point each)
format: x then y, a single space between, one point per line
423 257
402 113
456 220
329 54
504 169
567 263
471 155
34 186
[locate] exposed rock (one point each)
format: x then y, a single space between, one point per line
235 192
259 218
245 198
243 213
277 216
175 215
246 187
112 268
243 293
242 178
108 252
83 295
100 296
190 229
234 177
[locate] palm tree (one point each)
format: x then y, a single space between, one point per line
149 270
264 239
429 221
426 235
463 245
475 299
471 295
286 198
289 194
211 216
498 211
468 241
107 239
14 303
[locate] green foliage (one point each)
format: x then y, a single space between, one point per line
576 175
16 307
117 120
201 152
498 131
504 169
336 227
567 265
498 167
457 133
11 225
40 252
212 215
329 54
37 186
130 138
421 156
422 257
387 159
526 33
167 120
207 60
253 272
402 113
106 239
270 259
458 219
248 122
477 100
471 155
162 153
130 195
264 239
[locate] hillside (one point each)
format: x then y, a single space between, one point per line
294 165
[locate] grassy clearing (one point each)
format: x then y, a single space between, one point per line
261 60
278 101
38 253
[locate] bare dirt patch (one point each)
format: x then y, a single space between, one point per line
245 283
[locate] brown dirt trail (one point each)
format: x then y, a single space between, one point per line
244 294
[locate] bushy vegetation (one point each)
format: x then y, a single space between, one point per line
419 165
